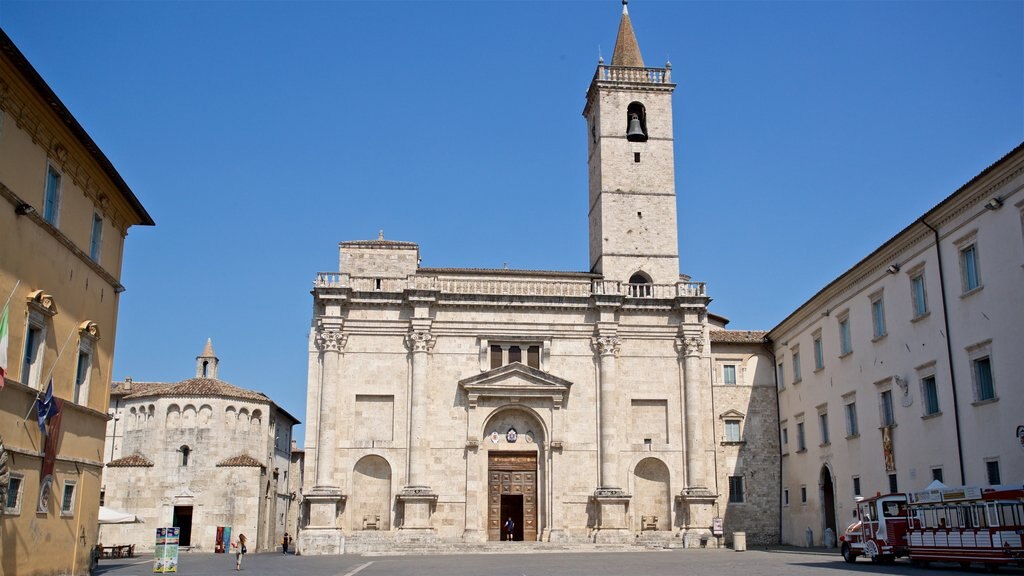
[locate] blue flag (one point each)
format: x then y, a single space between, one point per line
46 408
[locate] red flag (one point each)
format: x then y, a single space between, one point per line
49 457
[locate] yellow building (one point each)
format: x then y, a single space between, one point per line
64 214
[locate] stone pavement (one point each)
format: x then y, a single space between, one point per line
523 560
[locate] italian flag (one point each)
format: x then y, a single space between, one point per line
4 338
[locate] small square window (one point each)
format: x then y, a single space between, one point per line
636 157
937 474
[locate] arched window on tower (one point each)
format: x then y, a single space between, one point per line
640 286
185 451
636 122
206 367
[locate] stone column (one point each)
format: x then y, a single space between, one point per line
322 535
416 497
611 500
697 498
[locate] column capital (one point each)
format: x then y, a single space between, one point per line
330 340
606 345
420 341
690 345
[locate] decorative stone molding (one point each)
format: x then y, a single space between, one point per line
330 340
515 383
607 345
690 345
420 341
89 330
615 493
42 303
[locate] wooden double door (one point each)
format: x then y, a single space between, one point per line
512 493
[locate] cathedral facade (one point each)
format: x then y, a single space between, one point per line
599 406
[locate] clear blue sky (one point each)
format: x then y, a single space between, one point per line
260 134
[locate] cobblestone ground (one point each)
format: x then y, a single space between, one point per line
526 562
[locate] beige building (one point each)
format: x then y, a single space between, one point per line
64 214
198 454
596 406
906 368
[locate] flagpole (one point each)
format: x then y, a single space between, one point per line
16 284
52 368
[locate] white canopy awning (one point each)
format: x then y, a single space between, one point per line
111 516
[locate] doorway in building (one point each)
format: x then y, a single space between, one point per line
183 520
828 506
512 492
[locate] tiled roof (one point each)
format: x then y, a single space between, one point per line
627 50
240 460
135 460
117 388
196 387
208 350
738 336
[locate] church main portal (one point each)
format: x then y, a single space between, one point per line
512 493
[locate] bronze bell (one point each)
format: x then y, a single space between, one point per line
635 132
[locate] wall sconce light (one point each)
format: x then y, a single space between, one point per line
893 268
23 209
994 203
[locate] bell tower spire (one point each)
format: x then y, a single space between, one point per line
633 230
206 363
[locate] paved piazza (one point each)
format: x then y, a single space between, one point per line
528 562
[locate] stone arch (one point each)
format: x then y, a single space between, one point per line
188 416
132 420
827 493
230 417
205 415
526 421
369 506
651 495
256 422
173 417
636 112
513 475
149 415
243 419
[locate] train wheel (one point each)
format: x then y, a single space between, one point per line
848 554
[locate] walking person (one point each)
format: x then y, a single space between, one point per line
284 543
240 550
510 529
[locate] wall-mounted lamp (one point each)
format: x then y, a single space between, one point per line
893 268
23 209
994 203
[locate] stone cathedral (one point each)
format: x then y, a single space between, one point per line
605 406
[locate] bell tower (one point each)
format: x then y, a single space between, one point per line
633 231
206 363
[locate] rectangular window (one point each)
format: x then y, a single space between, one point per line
893 485
930 395
969 268
852 429
803 494
495 356
801 442
823 425
732 430
51 203
845 345
35 339
885 405
992 470
937 474
918 293
13 502
819 354
856 486
984 387
97 238
796 366
515 354
780 374
878 316
729 374
785 437
533 357
82 376
735 489
785 497
67 502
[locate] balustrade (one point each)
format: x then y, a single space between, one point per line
634 74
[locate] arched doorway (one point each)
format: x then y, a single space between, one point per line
514 439
370 500
828 505
652 504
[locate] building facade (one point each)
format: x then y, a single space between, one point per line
199 454
905 369
64 214
582 405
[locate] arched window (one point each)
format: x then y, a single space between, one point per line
636 122
206 365
185 451
640 286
